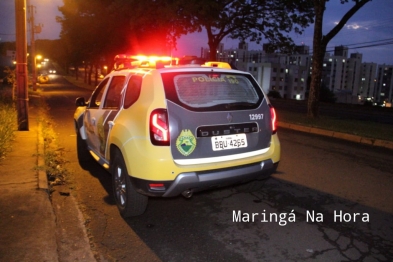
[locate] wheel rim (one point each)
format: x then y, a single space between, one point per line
120 186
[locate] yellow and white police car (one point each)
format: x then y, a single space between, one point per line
163 128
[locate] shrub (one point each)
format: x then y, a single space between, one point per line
8 122
326 95
9 78
274 94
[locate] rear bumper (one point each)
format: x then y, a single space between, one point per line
198 181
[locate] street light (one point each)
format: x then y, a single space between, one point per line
34 80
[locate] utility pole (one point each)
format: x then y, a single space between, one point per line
32 48
21 66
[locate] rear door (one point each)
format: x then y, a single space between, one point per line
215 116
110 107
92 115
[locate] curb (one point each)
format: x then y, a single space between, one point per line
42 177
74 244
339 135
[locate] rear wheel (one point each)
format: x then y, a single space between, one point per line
128 200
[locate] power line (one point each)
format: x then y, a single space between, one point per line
388 39
365 46
381 42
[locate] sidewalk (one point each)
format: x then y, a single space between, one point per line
29 228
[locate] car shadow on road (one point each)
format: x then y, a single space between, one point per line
100 173
265 220
210 226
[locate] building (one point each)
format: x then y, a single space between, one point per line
273 71
366 91
8 59
384 84
351 80
341 74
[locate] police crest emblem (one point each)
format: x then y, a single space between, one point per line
186 142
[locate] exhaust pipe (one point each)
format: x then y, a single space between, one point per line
187 193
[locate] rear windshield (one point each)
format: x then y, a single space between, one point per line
223 91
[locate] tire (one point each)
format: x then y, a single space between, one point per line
128 200
81 148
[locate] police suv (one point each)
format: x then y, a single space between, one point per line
164 127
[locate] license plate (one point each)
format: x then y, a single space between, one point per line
229 142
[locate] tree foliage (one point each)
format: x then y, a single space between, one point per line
320 42
255 20
10 77
93 29
84 33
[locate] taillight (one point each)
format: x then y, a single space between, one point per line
159 127
273 117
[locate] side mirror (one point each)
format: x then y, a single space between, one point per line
80 101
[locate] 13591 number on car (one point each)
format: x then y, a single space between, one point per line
229 142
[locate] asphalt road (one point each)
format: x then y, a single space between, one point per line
330 200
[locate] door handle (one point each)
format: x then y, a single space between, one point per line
93 121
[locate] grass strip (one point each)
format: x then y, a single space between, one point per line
349 126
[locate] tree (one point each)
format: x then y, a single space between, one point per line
97 30
93 28
80 30
320 42
153 26
256 20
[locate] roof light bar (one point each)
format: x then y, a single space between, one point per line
124 61
141 61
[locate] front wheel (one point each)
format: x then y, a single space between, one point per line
129 201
